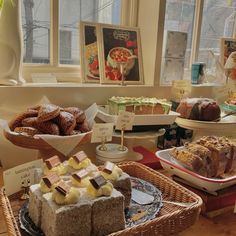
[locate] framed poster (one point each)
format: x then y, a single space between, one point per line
121 55
89 59
228 45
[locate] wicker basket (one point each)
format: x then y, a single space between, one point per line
170 220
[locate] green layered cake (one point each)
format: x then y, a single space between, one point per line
138 105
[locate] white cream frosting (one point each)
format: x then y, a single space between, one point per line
83 164
59 170
71 198
116 173
80 184
105 190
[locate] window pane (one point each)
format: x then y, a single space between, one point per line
218 21
179 16
72 12
36 29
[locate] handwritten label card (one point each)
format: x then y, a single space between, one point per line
20 176
102 132
125 120
181 88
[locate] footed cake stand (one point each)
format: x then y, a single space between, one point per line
225 127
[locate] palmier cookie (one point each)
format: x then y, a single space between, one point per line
48 112
26 130
47 127
77 113
17 121
66 122
84 127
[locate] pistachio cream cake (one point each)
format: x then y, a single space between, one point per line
82 203
138 105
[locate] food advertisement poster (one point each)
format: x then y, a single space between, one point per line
121 56
89 52
228 45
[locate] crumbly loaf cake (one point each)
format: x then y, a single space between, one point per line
220 152
218 156
189 160
138 105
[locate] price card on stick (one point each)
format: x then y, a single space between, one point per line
181 88
125 120
102 132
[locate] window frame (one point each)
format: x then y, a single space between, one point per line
66 72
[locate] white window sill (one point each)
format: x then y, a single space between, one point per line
75 85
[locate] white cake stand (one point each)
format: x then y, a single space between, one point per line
146 139
225 127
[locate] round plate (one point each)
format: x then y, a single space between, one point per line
26 223
138 214
134 215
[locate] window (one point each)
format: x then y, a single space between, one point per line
205 21
179 17
36 29
36 20
218 21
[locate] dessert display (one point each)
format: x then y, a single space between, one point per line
202 109
138 105
50 119
209 156
84 203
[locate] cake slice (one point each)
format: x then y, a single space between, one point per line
108 214
35 204
66 220
220 153
189 160
119 179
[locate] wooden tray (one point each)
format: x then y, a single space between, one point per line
170 220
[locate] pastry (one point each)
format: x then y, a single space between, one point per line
47 127
66 122
53 165
48 112
138 105
199 109
30 131
83 127
17 121
77 113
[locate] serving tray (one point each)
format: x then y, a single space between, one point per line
203 183
152 119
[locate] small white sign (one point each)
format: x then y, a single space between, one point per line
181 88
20 176
125 120
102 132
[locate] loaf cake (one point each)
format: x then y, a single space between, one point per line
203 109
138 105
84 203
210 156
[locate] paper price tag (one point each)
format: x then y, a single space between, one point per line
20 176
102 132
181 88
125 120
222 93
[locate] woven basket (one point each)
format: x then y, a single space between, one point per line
170 220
